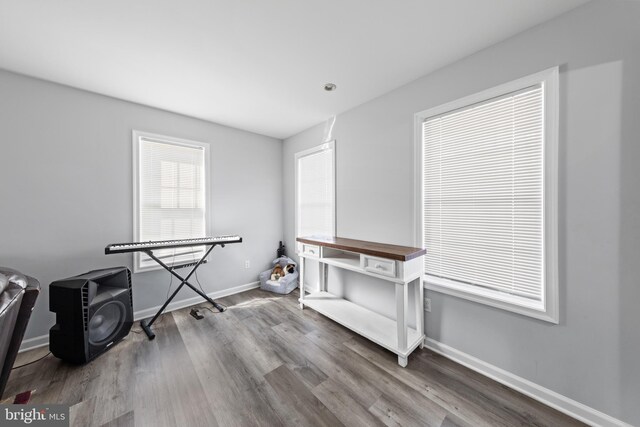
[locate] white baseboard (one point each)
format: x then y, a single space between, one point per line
148 312
550 398
43 340
35 342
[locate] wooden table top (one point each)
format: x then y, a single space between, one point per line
382 250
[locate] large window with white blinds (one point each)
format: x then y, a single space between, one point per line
170 196
487 196
315 191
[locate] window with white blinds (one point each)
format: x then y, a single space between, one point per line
484 197
170 189
315 191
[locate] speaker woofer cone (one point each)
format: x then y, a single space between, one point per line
106 322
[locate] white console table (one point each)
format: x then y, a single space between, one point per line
399 265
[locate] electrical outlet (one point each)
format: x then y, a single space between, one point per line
247 264
427 305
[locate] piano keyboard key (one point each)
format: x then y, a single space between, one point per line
160 244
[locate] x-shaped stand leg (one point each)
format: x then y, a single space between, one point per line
146 326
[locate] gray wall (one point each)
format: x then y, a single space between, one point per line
592 355
66 189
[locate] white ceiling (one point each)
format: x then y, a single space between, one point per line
253 64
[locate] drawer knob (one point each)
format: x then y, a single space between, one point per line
311 251
379 266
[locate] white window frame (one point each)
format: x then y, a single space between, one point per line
330 145
136 136
548 309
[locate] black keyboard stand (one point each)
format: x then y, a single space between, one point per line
146 325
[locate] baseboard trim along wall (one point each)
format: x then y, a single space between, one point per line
43 340
550 398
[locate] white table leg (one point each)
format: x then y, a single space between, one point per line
419 295
301 283
402 361
402 297
323 276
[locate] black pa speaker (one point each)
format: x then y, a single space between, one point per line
93 311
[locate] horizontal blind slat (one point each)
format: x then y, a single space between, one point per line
483 189
172 199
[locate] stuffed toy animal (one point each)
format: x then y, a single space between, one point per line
277 272
281 278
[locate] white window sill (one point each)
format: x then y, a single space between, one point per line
150 265
491 298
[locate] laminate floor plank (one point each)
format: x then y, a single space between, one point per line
81 414
67 386
293 356
432 385
235 396
291 390
369 379
109 380
41 378
254 351
256 362
339 400
151 390
453 421
396 414
388 385
179 372
124 420
243 304
301 323
268 316
333 331
265 362
362 389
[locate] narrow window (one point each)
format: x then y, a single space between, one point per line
170 196
315 191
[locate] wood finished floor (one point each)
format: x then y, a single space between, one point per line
264 362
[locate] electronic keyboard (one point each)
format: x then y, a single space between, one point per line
116 248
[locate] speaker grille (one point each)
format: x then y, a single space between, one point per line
85 306
106 322
130 289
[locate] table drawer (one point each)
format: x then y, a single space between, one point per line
311 250
385 267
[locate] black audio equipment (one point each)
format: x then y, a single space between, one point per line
93 312
116 248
